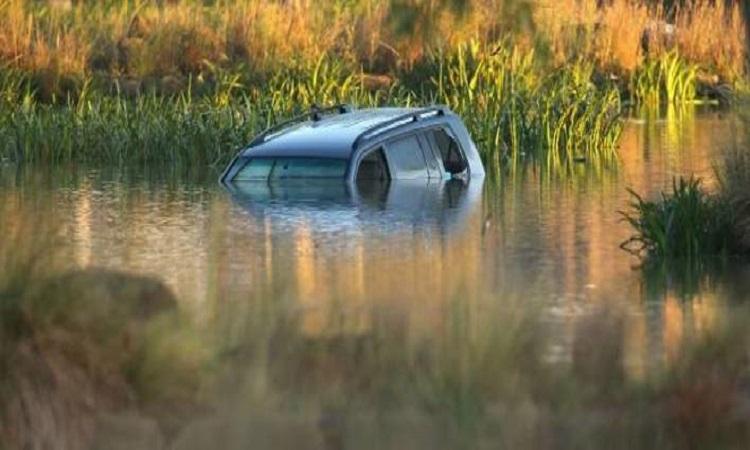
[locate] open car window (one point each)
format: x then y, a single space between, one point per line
373 167
451 154
406 158
283 168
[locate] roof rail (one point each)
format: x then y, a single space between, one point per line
315 114
413 116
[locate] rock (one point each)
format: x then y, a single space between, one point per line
96 290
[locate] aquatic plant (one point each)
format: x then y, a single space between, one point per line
667 79
684 223
518 112
514 109
160 45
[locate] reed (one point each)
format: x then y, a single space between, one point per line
692 225
140 44
686 223
667 79
517 111
624 36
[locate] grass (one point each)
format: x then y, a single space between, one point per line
137 46
478 376
184 82
668 79
515 110
625 36
76 343
686 223
689 224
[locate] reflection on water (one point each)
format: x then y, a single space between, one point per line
392 264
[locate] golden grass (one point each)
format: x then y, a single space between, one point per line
621 34
712 34
123 41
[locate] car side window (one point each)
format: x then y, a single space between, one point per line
406 158
451 155
373 167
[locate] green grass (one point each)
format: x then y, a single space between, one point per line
686 223
689 224
516 110
666 79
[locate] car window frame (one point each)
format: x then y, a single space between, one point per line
435 148
420 142
363 154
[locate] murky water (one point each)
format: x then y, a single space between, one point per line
341 260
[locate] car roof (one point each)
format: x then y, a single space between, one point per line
331 136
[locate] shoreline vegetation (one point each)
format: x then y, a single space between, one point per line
188 81
123 357
691 225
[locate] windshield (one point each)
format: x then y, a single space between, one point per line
282 168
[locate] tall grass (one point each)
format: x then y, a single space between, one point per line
75 343
668 79
686 223
514 109
517 111
623 36
690 223
140 45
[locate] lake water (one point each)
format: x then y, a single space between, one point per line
395 259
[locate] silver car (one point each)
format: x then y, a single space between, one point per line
359 145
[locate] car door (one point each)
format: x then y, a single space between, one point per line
432 158
406 158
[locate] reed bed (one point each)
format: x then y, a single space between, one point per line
139 45
690 224
686 223
516 111
623 36
668 79
123 82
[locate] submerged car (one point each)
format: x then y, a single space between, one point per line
357 145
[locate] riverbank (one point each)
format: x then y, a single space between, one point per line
93 355
119 82
169 47
517 109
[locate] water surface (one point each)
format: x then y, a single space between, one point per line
392 259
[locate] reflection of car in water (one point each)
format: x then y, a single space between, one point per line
359 146
386 206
